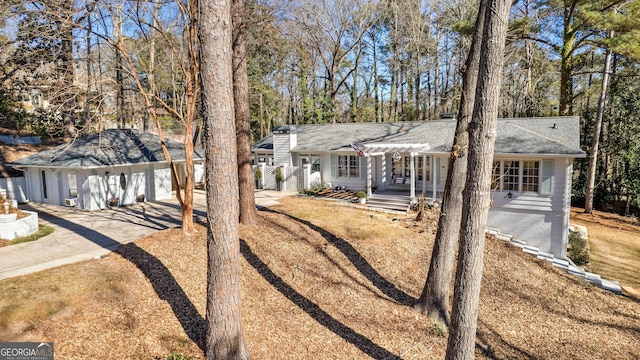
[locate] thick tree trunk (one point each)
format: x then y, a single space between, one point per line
187 200
595 142
243 124
482 135
224 338
434 300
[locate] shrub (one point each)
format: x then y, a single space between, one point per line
438 329
279 176
177 356
421 204
362 195
578 250
258 174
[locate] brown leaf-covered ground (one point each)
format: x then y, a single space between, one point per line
320 280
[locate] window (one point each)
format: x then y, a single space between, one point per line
406 161
423 165
396 169
313 159
402 167
123 181
44 184
511 176
530 175
73 185
526 175
348 166
263 158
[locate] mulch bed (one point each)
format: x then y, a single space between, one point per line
324 281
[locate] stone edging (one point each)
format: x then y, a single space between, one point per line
567 264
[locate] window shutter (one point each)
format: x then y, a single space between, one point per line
546 186
334 166
363 167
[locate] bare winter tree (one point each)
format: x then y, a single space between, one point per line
434 300
224 338
243 121
183 49
595 142
482 136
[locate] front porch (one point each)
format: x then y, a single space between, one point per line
404 169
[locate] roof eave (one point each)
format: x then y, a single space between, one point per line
20 166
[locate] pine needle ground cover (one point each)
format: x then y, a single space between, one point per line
320 280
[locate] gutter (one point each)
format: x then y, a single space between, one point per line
20 167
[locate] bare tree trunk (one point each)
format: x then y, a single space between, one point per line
87 104
117 30
224 338
595 142
482 136
243 124
152 62
434 300
66 56
261 117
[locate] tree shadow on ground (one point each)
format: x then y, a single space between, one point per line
163 282
322 317
167 289
493 341
359 262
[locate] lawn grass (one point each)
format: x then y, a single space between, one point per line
615 245
43 230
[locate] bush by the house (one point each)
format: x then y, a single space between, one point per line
578 250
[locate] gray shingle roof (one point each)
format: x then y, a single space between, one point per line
514 136
108 148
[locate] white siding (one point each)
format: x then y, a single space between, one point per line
16 188
282 145
537 219
162 184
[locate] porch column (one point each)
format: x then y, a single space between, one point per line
368 157
412 166
424 174
383 185
433 177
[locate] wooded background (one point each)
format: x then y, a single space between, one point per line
72 67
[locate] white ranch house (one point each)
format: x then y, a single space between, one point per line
533 167
114 167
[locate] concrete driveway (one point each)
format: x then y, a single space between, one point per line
81 235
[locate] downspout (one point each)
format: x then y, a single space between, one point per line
566 207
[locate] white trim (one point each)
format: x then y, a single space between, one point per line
402 148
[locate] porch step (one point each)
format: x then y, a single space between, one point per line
389 202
